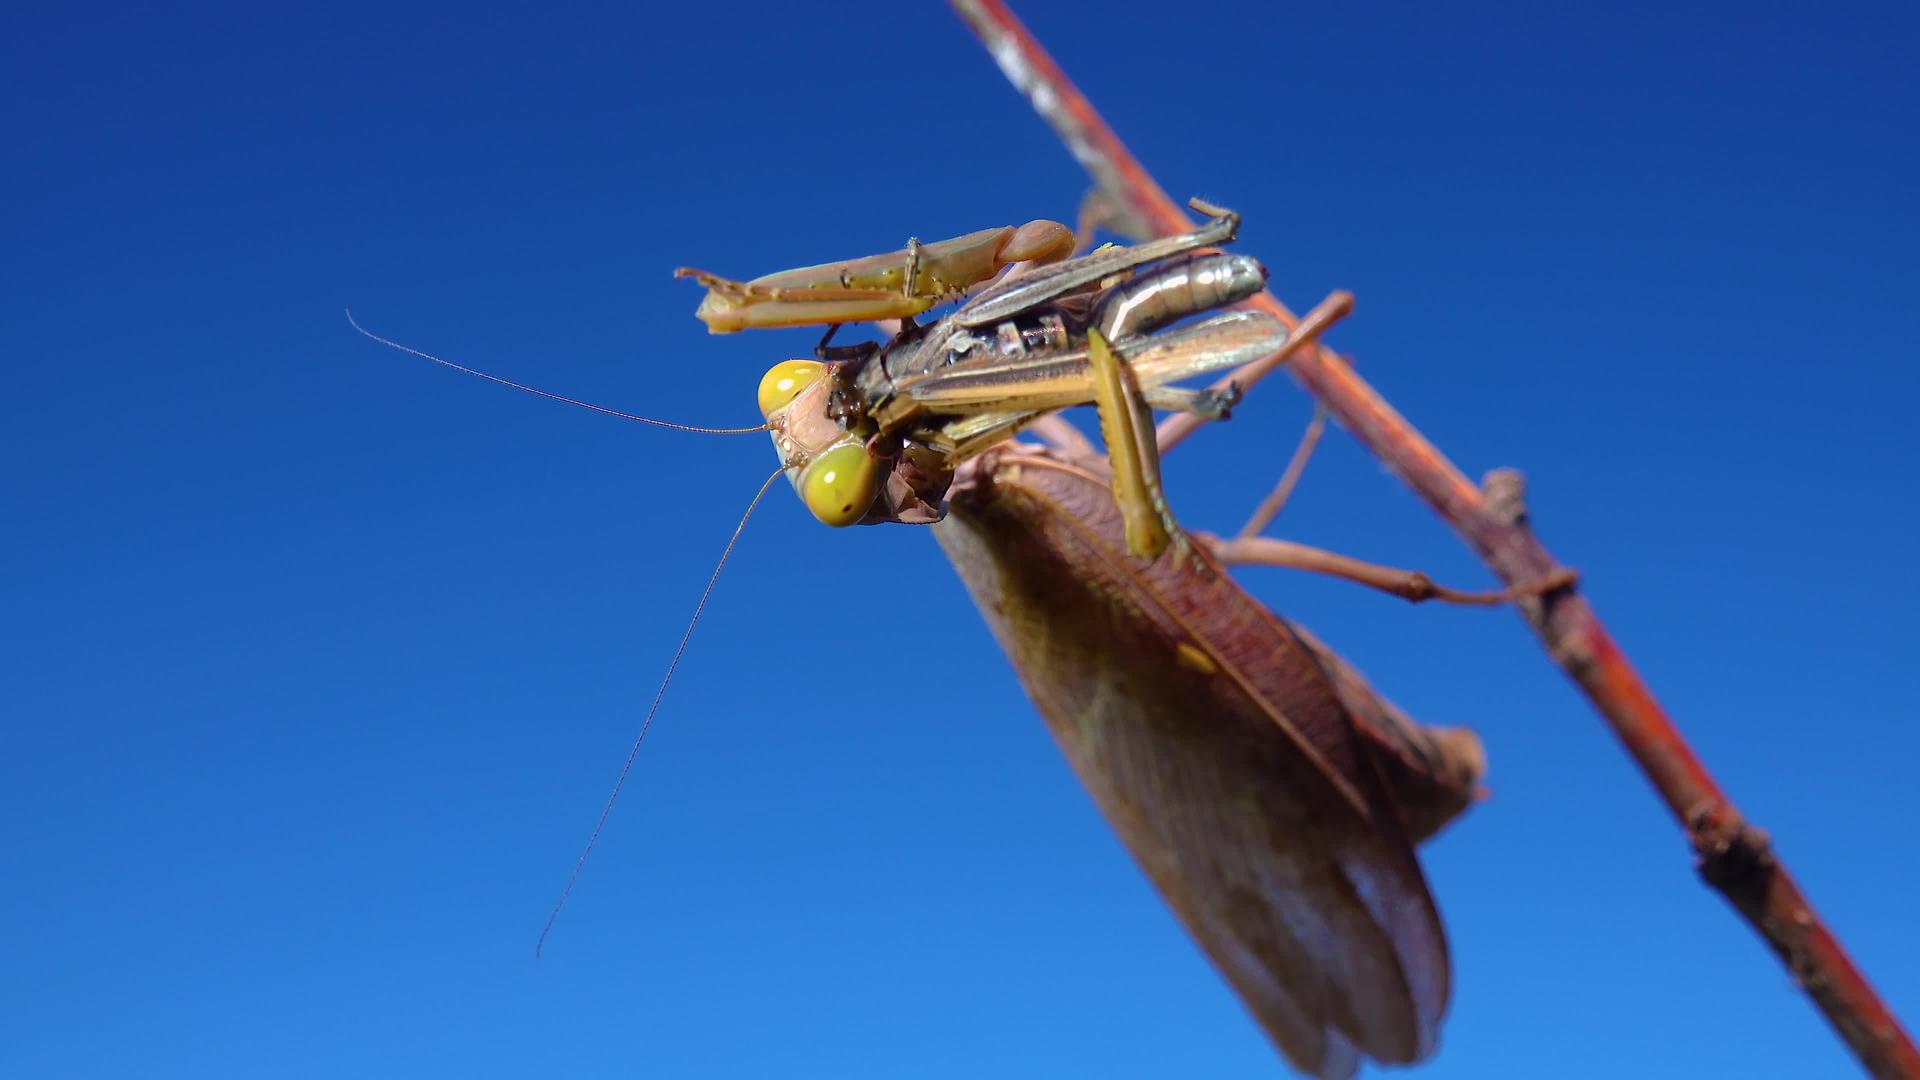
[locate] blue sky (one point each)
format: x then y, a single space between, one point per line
320 659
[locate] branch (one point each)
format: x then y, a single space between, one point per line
1734 857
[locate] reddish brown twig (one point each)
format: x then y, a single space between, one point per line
1734 856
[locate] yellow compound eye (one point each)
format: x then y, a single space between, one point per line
840 484
784 381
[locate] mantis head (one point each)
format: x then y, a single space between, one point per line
833 469
828 465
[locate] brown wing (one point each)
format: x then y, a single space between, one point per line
1217 747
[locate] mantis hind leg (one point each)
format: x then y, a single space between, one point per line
1249 548
1270 506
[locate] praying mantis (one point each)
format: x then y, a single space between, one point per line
1272 798
1269 794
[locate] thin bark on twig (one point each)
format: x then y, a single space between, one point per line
1735 857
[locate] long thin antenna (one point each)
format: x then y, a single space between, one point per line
633 751
410 350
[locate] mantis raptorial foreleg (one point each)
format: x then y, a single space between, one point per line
894 285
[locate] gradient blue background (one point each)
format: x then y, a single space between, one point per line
319 660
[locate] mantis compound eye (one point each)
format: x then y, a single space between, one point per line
784 381
840 484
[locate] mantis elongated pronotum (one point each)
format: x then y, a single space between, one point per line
1268 793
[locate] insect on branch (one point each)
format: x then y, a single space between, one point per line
1735 858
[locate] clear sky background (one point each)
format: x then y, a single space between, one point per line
320 659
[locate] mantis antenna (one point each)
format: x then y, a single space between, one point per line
633 751
548 394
